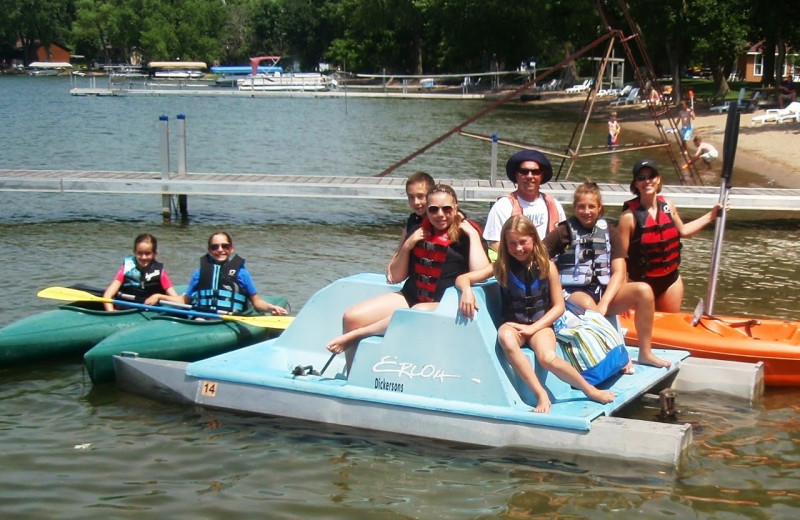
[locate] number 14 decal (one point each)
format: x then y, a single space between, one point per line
209 389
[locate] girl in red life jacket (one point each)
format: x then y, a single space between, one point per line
430 259
532 301
650 229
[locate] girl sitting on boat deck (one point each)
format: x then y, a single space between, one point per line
444 246
222 284
141 278
532 302
591 262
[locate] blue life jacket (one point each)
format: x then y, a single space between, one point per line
138 284
218 289
526 298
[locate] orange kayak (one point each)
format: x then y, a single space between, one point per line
775 342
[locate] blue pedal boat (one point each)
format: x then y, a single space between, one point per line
433 374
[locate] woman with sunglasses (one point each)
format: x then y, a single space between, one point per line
651 230
223 284
444 246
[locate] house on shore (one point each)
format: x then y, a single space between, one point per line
750 66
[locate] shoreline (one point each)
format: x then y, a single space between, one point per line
769 151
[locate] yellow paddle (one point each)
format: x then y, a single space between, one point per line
74 295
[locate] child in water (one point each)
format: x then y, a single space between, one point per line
613 131
141 278
532 302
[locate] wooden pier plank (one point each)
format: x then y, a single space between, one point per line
389 188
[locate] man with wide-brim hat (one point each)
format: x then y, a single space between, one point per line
528 169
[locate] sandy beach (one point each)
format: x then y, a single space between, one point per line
769 150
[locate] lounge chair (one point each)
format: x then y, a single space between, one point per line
724 107
632 96
789 117
583 87
773 115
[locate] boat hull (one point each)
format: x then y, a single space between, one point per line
68 331
172 338
432 374
774 342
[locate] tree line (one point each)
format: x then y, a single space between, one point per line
398 36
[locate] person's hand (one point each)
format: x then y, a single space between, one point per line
526 331
277 310
468 305
153 299
417 236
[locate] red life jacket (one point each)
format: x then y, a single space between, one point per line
655 249
429 256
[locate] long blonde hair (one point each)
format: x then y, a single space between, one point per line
522 225
453 232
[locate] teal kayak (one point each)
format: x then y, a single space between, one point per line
177 339
67 331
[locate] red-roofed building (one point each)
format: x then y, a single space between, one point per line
750 66
53 52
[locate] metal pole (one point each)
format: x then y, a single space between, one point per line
728 154
183 206
163 121
181 144
493 178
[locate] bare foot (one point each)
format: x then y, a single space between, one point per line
543 404
337 345
651 359
629 368
601 396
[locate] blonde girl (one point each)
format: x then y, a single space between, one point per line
532 302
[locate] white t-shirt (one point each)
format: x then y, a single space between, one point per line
536 211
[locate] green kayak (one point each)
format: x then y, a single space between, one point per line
68 331
177 339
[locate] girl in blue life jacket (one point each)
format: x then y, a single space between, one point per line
222 284
141 278
532 302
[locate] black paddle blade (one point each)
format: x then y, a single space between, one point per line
731 141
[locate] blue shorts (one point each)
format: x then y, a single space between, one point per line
595 291
686 132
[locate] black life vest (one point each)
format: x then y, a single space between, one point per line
217 289
526 298
588 256
140 285
655 248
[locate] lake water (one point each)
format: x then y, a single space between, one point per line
70 450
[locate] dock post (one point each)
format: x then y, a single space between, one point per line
163 121
183 205
493 177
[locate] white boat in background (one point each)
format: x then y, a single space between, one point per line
48 68
177 69
125 71
275 80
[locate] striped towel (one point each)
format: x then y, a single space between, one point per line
586 338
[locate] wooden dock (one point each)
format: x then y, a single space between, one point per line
388 188
234 92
